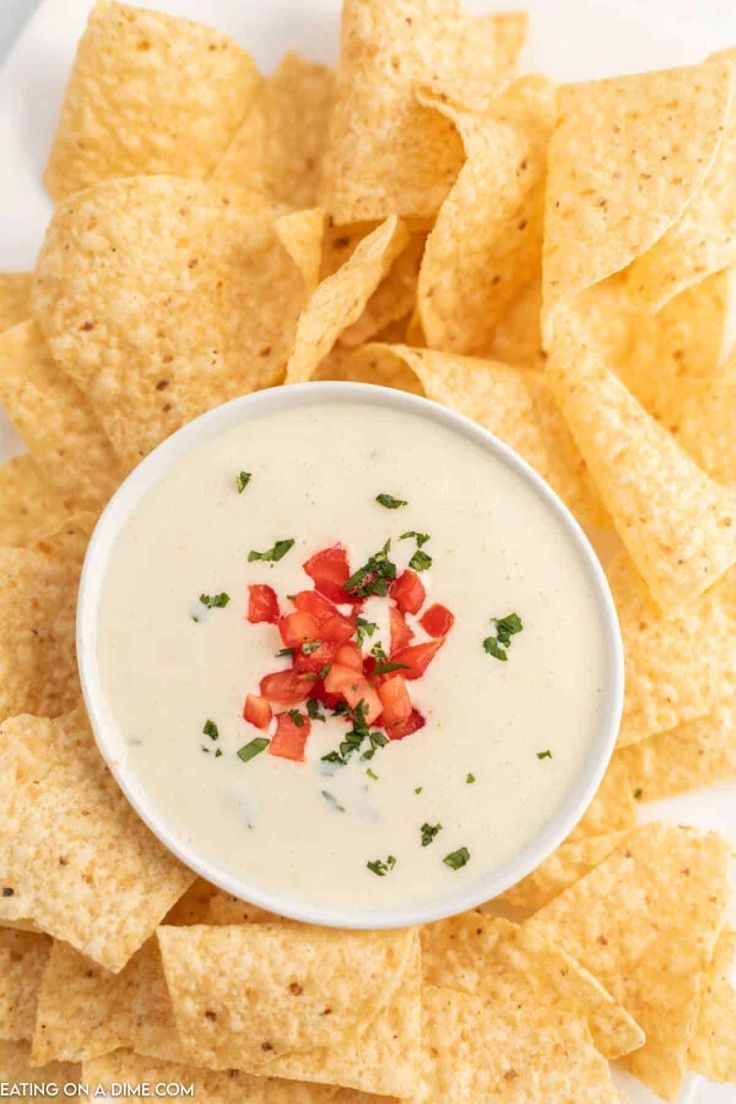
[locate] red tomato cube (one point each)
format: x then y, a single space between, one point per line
413 723
287 687
350 655
395 700
263 605
290 737
298 628
401 634
330 571
311 601
337 628
257 711
437 621
354 688
316 660
417 657
408 591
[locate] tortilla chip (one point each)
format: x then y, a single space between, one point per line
677 524
22 962
279 147
369 364
487 242
125 1067
475 1050
612 809
700 414
148 93
394 297
386 154
712 1050
564 867
301 234
275 1022
678 667
27 506
118 315
15 298
700 753
100 880
626 157
16 1068
58 425
517 338
341 299
509 965
645 922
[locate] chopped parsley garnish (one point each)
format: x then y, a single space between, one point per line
310 646
506 627
418 790
374 576
324 671
371 774
544 754
387 668
255 747
206 750
332 801
429 832
210 729
377 651
390 502
420 538
313 710
364 629
356 737
381 868
420 561
296 718
273 555
458 858
242 480
215 601
218 753
470 778
285 652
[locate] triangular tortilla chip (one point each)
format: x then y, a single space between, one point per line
15 298
612 809
394 297
28 506
23 957
713 1046
301 234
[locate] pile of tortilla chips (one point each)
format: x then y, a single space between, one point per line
553 262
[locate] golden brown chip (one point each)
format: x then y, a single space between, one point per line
23 958
148 94
28 507
301 234
645 922
99 880
700 414
699 753
612 809
16 1069
120 316
341 298
517 338
513 966
216 1087
394 297
472 1049
63 434
625 159
712 1050
279 147
487 242
386 153
15 298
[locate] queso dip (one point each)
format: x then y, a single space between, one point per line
351 657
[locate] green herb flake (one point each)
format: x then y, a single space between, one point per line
420 561
387 668
544 754
310 646
214 601
470 778
242 480
364 629
456 859
506 627
429 832
332 801
285 652
420 538
374 576
273 555
218 753
255 747
210 729
418 790
390 502
371 774
313 711
324 671
381 868
296 718
377 651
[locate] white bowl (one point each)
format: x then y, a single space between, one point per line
152 470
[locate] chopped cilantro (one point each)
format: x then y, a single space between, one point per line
324 671
214 601
313 710
429 831
364 629
390 502
387 668
255 747
374 576
210 729
242 480
544 754
377 651
506 627
310 646
420 561
381 868
273 555
206 750
218 753
420 538
371 774
469 778
458 858
356 737
332 801
418 790
285 652
333 757
296 718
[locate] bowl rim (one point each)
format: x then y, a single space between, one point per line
149 473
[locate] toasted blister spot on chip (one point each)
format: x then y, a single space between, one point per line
100 880
341 298
699 753
301 234
273 986
678 525
62 432
394 297
712 1050
148 93
626 158
511 965
23 958
645 922
15 298
279 148
568 864
387 154
28 505
487 242
124 1067
475 1049
612 809
118 315
664 687
16 1068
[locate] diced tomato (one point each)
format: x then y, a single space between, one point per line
298 628
329 701
413 723
311 601
350 655
263 605
330 571
354 688
290 737
287 687
417 658
395 700
369 666
316 660
257 711
337 628
437 621
401 634
408 591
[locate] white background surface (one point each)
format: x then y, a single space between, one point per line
570 39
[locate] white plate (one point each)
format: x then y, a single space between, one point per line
570 40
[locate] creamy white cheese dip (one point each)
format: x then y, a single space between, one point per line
504 742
